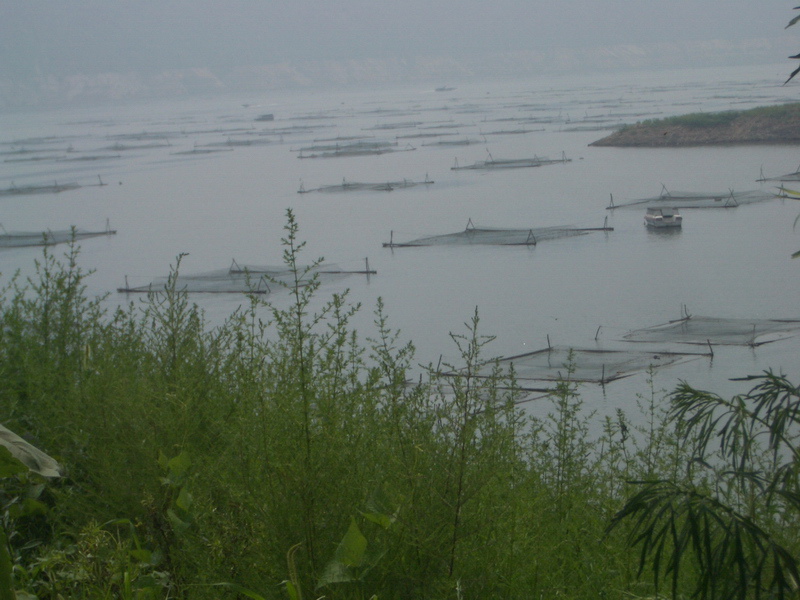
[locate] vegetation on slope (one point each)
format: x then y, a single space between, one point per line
279 456
764 125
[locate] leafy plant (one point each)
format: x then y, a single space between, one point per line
796 56
722 529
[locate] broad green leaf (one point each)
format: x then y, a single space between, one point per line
291 590
10 466
177 523
351 549
179 465
380 510
384 521
184 500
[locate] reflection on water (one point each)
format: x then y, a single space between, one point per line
207 177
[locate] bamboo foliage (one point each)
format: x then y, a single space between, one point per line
722 521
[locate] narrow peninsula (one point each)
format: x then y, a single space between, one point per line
764 125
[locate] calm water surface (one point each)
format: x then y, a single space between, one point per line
583 291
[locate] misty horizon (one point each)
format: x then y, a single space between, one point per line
53 53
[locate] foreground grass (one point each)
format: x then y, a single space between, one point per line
279 455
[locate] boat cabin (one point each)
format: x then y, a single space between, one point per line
662 217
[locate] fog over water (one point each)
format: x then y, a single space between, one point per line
93 50
209 177
165 105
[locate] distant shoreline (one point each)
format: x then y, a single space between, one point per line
765 125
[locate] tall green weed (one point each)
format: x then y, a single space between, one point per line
280 431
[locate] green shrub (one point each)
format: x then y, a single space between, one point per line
212 452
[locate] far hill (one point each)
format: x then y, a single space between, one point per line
764 125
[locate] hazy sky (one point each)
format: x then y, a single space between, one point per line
90 36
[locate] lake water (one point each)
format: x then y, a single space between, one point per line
585 291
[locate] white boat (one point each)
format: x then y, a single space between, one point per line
662 217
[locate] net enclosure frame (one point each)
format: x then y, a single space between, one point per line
510 163
496 236
709 331
249 279
353 186
793 176
23 239
729 199
581 365
26 190
358 149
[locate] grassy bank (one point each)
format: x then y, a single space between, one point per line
281 455
763 125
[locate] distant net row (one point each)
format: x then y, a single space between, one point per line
729 199
21 239
490 236
594 365
247 279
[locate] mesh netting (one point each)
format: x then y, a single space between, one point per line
585 365
495 236
221 281
18 239
354 149
248 279
727 199
351 186
349 144
461 142
710 330
49 188
794 176
510 163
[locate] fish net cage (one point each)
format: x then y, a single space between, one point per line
510 163
21 239
352 144
495 236
729 199
459 142
354 149
249 279
49 188
562 363
793 176
355 186
717 331
221 281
